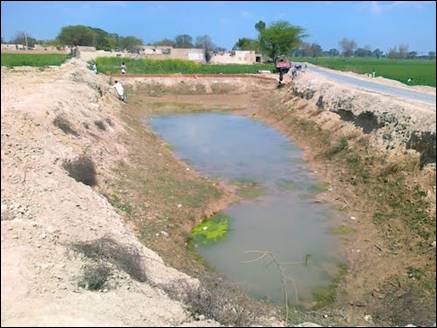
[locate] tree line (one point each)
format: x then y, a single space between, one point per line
81 35
278 39
282 38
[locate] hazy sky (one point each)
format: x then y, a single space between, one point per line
381 24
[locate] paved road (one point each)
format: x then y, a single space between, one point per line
375 86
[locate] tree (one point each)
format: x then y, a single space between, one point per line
403 50
204 42
377 53
130 43
260 26
22 37
164 43
316 50
362 52
333 52
280 38
412 55
347 46
398 52
431 54
77 35
183 41
247 44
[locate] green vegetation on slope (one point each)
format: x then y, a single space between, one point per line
172 66
38 60
422 72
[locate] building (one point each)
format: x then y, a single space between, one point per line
236 57
168 52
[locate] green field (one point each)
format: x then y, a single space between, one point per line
421 71
172 66
39 60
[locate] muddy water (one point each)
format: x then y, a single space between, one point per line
284 220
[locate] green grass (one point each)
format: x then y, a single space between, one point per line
171 66
249 189
38 60
326 296
342 230
421 71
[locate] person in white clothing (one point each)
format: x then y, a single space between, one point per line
120 91
123 68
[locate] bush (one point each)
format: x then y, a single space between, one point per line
126 258
82 170
94 276
216 300
63 124
101 125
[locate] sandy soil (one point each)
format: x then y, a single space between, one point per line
44 210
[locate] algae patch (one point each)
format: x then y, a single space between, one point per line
249 189
211 230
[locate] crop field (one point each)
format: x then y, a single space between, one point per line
422 72
172 66
38 60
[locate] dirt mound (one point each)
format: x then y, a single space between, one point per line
391 123
47 120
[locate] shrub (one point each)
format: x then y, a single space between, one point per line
82 170
94 276
63 124
101 125
126 258
217 300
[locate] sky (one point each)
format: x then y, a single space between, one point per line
378 24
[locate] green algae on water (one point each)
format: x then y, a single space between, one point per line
211 230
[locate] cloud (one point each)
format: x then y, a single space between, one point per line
380 7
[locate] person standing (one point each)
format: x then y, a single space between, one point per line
120 91
123 68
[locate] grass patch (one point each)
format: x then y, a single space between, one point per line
316 188
82 170
65 125
173 66
422 72
38 60
211 230
287 185
327 295
120 204
249 189
126 258
342 230
338 147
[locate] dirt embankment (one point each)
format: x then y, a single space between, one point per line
391 123
60 238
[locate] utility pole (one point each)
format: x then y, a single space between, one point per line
25 40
